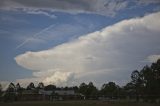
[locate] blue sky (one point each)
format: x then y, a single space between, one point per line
38 26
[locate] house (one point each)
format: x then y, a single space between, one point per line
44 92
29 95
47 95
68 95
61 95
65 92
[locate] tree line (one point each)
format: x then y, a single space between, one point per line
144 85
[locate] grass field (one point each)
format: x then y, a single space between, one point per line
77 103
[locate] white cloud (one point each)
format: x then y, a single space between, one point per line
153 58
106 55
59 78
37 12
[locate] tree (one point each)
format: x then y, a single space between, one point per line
129 89
18 87
137 81
110 89
40 85
50 87
83 88
10 93
0 89
156 79
31 86
151 78
147 81
135 76
75 88
91 90
11 87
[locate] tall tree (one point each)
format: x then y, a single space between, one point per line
10 93
83 88
31 86
0 89
75 88
40 85
19 89
138 83
151 78
110 89
129 89
147 81
11 87
92 90
18 86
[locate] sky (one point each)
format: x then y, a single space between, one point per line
67 42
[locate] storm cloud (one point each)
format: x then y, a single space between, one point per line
110 54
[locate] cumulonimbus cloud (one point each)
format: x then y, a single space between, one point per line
110 54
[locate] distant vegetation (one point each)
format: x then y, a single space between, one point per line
144 85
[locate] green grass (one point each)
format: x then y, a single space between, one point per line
77 103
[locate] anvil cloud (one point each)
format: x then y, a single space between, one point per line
109 54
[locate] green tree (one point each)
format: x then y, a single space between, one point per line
151 79
0 90
110 89
31 86
129 89
40 85
90 91
138 83
50 87
11 88
156 72
75 88
83 88
19 89
10 93
147 81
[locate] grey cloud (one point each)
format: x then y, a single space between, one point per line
101 7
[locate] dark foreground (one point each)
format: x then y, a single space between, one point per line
77 103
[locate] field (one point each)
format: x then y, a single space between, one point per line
77 103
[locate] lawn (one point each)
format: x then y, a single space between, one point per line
77 103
